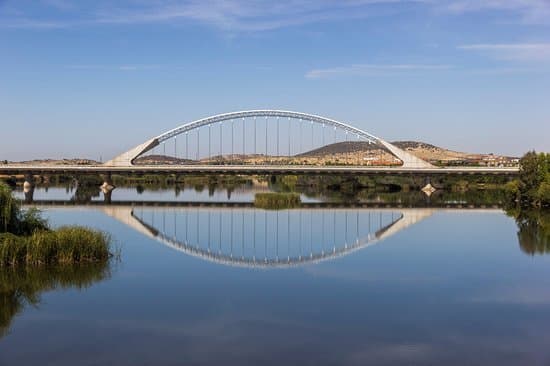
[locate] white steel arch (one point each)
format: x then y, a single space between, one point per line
127 158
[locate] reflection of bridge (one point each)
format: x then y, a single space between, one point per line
248 237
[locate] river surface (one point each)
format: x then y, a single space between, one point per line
313 286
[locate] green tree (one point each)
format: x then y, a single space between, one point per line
533 186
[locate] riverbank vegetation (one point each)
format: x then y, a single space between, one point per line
452 189
26 238
276 200
532 187
529 203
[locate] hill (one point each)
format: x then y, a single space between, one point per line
340 153
441 156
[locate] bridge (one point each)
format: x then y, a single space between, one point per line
282 141
264 142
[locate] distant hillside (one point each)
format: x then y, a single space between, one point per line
341 148
160 160
56 162
439 155
430 152
415 145
347 153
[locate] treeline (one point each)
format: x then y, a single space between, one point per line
532 188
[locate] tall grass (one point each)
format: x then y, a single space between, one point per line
276 200
62 246
26 239
9 210
15 220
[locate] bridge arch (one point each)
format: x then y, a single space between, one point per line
128 158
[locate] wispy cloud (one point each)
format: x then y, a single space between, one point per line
128 67
370 70
248 15
513 51
232 15
528 11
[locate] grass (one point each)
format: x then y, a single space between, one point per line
65 245
26 239
276 200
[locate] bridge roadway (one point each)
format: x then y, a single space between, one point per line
244 170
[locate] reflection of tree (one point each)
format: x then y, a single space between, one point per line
85 193
534 231
24 285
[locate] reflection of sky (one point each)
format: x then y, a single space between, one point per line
449 290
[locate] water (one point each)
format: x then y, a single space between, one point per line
325 286
240 193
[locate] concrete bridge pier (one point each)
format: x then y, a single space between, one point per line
108 184
28 188
107 187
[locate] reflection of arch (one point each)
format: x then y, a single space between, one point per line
127 158
407 218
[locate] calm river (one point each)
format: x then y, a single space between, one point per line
235 285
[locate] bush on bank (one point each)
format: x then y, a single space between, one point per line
26 239
532 188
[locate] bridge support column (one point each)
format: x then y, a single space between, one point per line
28 188
107 186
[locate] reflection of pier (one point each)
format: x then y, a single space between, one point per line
248 237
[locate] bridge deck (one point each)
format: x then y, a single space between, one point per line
243 169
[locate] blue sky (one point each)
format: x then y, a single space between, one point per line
94 78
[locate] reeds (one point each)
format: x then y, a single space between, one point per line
9 209
65 245
26 239
15 220
276 200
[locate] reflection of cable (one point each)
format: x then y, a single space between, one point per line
334 230
357 225
300 213
277 238
288 232
203 250
311 231
323 233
